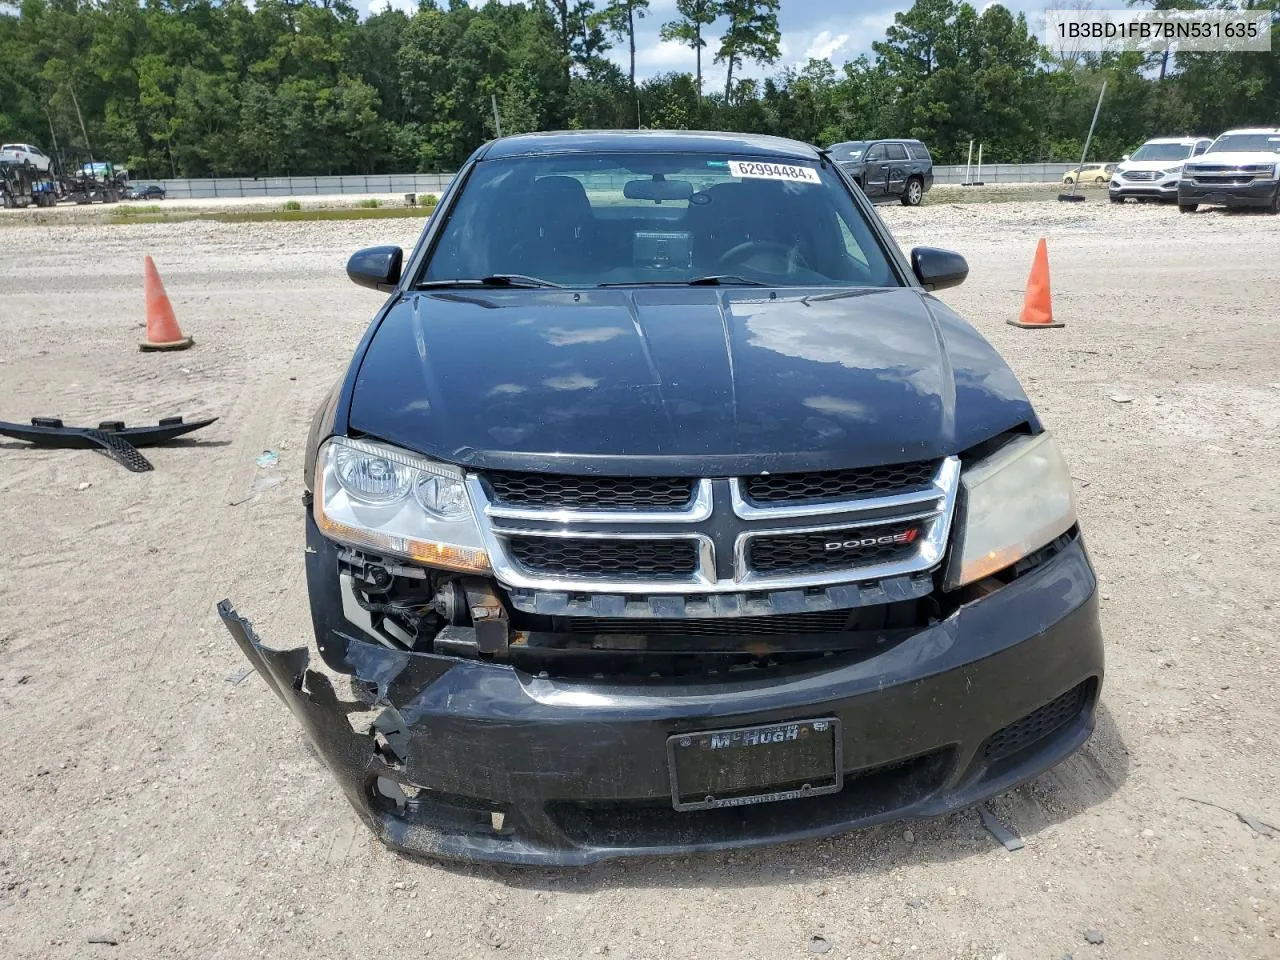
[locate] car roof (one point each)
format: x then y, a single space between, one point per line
1251 130
1180 140
648 141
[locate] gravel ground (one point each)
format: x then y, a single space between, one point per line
160 799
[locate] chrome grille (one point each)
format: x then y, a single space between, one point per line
832 549
839 484
1141 175
722 541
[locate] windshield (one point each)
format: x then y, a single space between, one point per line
1247 143
585 220
849 151
1162 151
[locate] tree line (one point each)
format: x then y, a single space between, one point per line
200 88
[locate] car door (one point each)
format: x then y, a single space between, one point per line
896 160
875 171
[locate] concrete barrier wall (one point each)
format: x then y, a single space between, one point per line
1005 173
235 187
238 187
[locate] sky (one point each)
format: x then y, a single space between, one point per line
838 30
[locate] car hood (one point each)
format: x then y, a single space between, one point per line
1239 157
694 381
1148 165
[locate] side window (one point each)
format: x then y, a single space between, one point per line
918 151
1200 148
896 151
876 152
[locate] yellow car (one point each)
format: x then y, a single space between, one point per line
1098 173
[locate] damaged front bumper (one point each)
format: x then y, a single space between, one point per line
467 759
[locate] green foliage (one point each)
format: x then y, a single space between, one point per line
752 35
369 203
291 205
304 87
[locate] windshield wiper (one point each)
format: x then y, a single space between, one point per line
724 280
718 280
494 280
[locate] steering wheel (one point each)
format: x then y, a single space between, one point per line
743 253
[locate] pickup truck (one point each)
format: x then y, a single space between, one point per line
664 507
1240 169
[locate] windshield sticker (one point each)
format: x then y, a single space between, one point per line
773 171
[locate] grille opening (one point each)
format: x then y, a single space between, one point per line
648 650
599 559
553 491
833 549
840 484
866 793
1038 724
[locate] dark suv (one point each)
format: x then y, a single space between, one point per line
664 508
885 169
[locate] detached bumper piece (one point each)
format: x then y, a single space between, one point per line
112 436
476 759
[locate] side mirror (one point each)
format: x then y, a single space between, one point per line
936 269
376 267
1125 157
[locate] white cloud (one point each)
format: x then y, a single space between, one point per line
825 45
659 58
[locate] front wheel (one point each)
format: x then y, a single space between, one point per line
1099 180
1068 180
1115 199
1188 207
914 193
1275 200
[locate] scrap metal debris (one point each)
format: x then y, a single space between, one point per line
998 830
111 436
1259 827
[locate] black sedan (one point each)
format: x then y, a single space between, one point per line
664 508
150 191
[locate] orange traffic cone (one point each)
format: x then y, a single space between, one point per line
1037 311
163 332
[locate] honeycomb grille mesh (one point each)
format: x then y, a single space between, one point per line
1038 724
841 484
803 552
560 491
592 559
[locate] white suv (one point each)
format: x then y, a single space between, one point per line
25 153
1154 169
1241 169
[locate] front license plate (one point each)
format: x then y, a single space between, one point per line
735 768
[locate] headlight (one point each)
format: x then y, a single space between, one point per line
1266 169
1170 171
378 497
1012 503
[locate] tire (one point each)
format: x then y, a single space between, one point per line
1117 199
1068 180
913 193
1275 201
1188 207
1099 180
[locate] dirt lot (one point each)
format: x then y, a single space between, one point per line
157 797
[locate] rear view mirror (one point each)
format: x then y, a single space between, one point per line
1125 157
657 190
376 267
937 269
